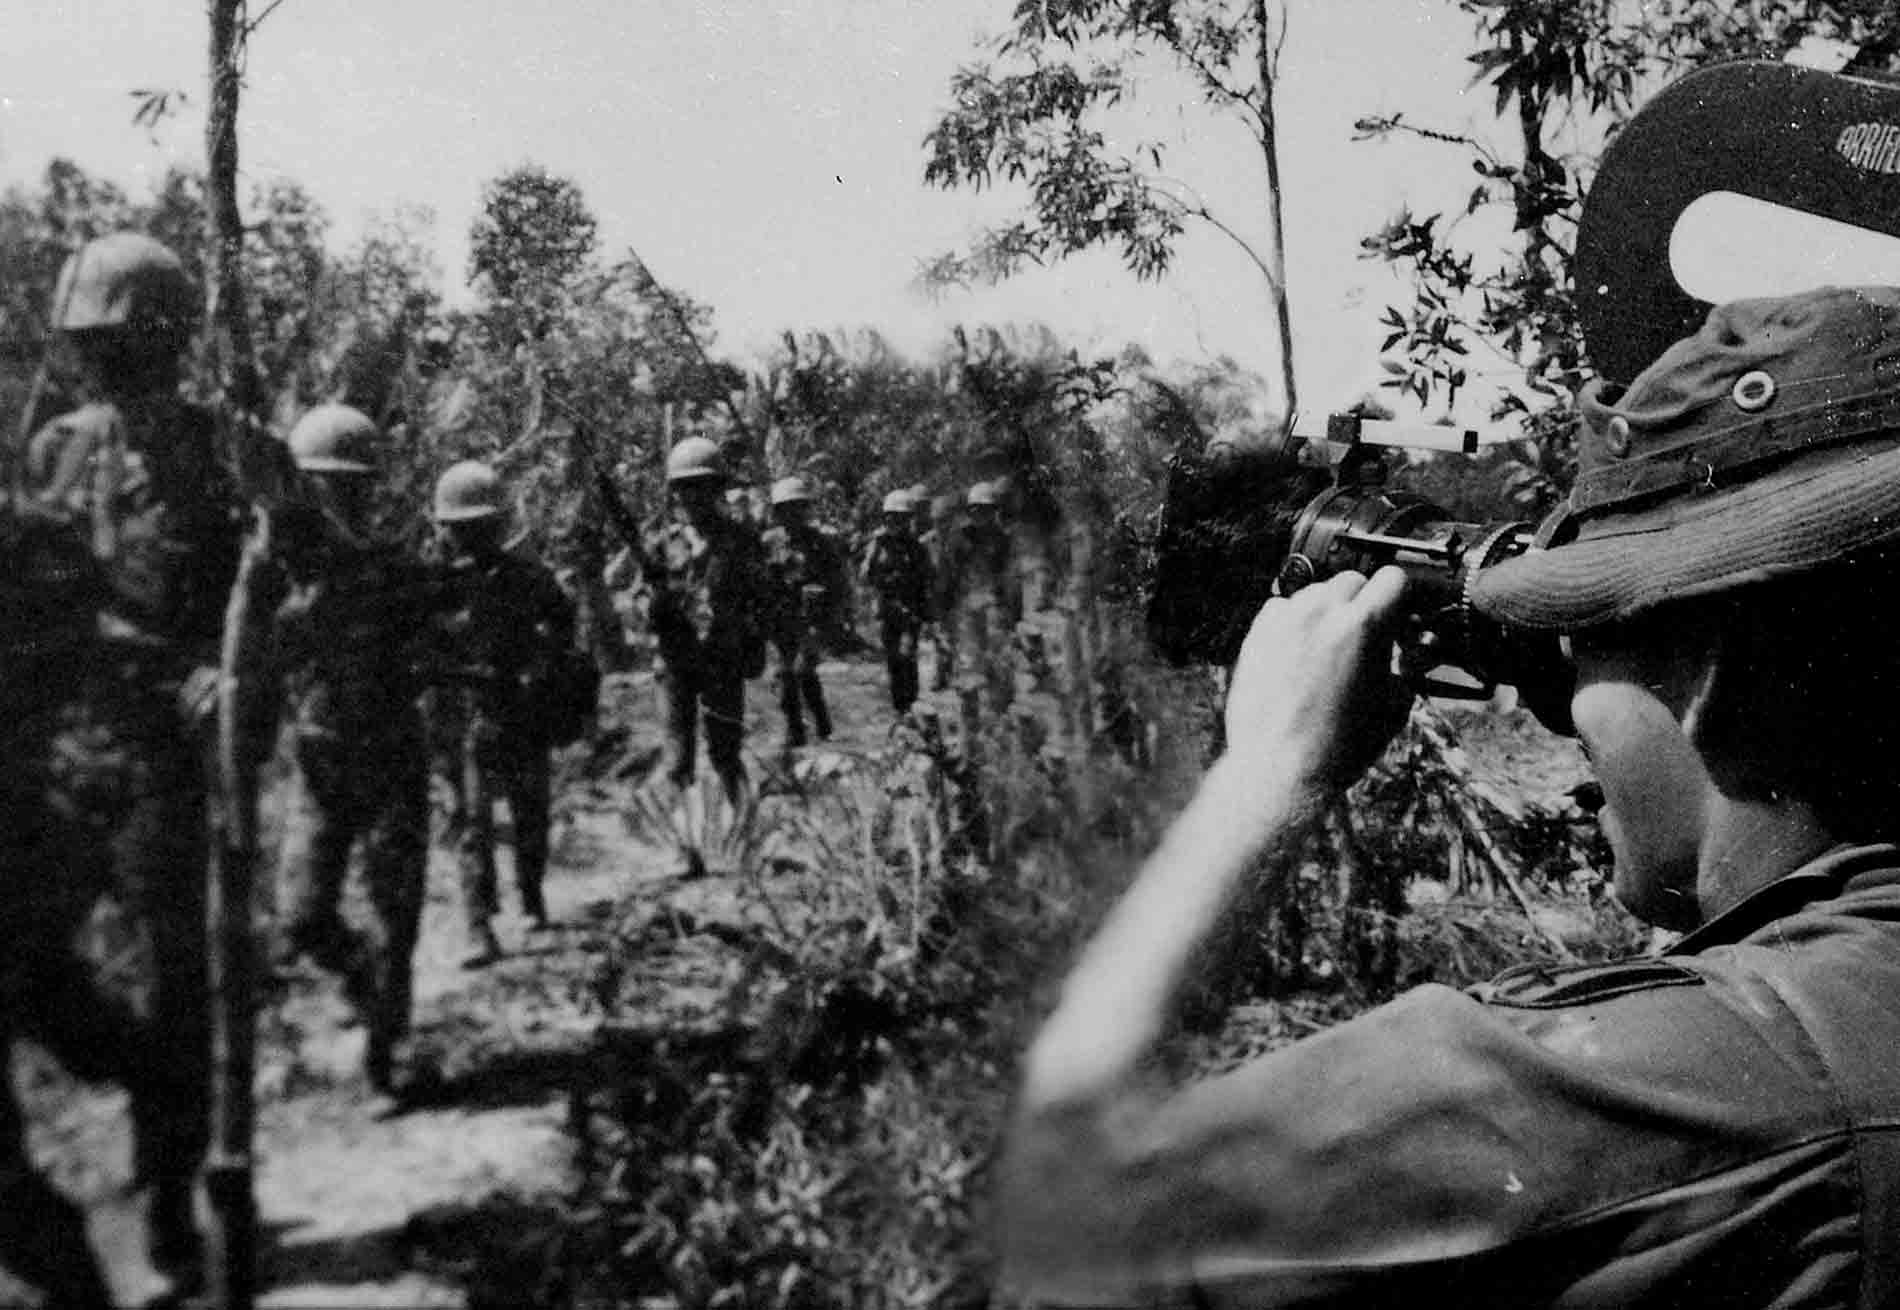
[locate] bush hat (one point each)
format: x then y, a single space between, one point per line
1766 444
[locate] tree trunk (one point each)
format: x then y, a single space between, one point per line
1276 258
232 963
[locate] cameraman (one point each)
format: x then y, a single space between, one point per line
1718 1126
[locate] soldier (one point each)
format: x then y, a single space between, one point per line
940 630
511 623
138 470
703 578
986 606
896 569
801 558
352 639
54 865
1711 1126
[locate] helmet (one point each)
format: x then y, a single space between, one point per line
919 495
468 490
125 280
335 439
788 491
898 502
983 493
693 459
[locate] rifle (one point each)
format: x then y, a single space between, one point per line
619 514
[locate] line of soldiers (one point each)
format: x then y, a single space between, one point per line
122 537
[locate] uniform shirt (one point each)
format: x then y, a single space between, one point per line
980 565
506 617
162 514
705 592
359 639
899 572
1719 1126
802 564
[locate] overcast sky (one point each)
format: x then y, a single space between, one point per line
766 155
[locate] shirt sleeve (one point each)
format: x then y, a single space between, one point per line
1437 1147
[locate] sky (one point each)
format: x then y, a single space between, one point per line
766 156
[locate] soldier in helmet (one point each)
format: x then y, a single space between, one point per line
138 472
801 558
898 572
938 526
987 607
510 620
352 639
703 580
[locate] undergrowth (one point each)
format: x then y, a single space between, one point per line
800 1080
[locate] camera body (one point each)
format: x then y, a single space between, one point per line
1240 527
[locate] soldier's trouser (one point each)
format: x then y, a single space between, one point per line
500 766
52 868
899 635
128 762
798 685
717 690
42 1234
376 793
984 651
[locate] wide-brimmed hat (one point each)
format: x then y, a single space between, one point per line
1765 445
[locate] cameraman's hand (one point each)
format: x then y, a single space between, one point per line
1313 691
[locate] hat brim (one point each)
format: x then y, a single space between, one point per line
1811 513
325 464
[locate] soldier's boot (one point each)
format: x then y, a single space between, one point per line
534 905
177 1250
483 948
790 707
379 1059
43 1241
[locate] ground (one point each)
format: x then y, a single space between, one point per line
363 1207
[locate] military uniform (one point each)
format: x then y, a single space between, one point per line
353 640
1712 1127
706 602
802 567
55 861
509 616
132 753
987 608
899 572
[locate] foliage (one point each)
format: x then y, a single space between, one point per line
1034 111
1565 76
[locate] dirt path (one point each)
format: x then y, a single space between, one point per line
362 1207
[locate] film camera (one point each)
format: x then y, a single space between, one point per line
1743 179
1240 526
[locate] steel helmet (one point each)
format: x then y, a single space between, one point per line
919 495
336 439
790 491
125 280
468 490
897 502
983 493
693 459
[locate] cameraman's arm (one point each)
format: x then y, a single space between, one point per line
1313 701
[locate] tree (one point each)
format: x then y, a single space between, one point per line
1031 113
1576 68
534 236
